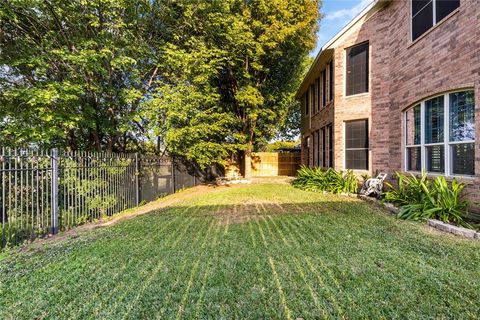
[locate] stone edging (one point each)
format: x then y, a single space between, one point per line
459 231
437 224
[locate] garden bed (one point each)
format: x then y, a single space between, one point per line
437 224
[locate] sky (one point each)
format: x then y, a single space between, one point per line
336 14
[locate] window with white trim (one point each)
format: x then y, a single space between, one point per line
440 135
427 13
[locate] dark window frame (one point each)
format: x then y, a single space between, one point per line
430 9
324 146
330 145
312 98
319 96
357 69
307 143
332 73
324 87
351 150
307 102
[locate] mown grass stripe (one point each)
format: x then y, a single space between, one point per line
258 267
121 270
169 297
302 258
278 285
126 287
314 239
301 272
214 245
295 249
193 273
150 278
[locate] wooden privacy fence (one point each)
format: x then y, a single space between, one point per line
44 191
268 164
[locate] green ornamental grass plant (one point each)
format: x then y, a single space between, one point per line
317 179
420 198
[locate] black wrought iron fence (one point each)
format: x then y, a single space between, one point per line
46 191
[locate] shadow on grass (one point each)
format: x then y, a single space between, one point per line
324 259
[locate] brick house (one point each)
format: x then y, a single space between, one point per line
396 90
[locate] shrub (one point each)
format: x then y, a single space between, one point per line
419 198
317 179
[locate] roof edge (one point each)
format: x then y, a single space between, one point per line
347 27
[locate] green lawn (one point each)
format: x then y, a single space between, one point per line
259 251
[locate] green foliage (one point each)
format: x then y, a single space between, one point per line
205 77
317 179
421 198
276 145
409 189
365 177
75 73
230 83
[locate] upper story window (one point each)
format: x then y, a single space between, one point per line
357 70
312 98
324 85
306 99
440 135
331 66
427 13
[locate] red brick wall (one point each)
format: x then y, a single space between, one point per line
401 74
446 58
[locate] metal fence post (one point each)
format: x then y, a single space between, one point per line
54 162
4 202
137 180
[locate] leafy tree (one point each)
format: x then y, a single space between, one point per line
74 73
207 77
186 110
231 81
280 144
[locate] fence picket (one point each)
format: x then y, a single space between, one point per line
47 191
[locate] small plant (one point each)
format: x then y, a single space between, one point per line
419 198
365 176
410 189
317 179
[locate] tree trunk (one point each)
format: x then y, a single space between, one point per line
247 163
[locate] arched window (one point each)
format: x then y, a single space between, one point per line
440 135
